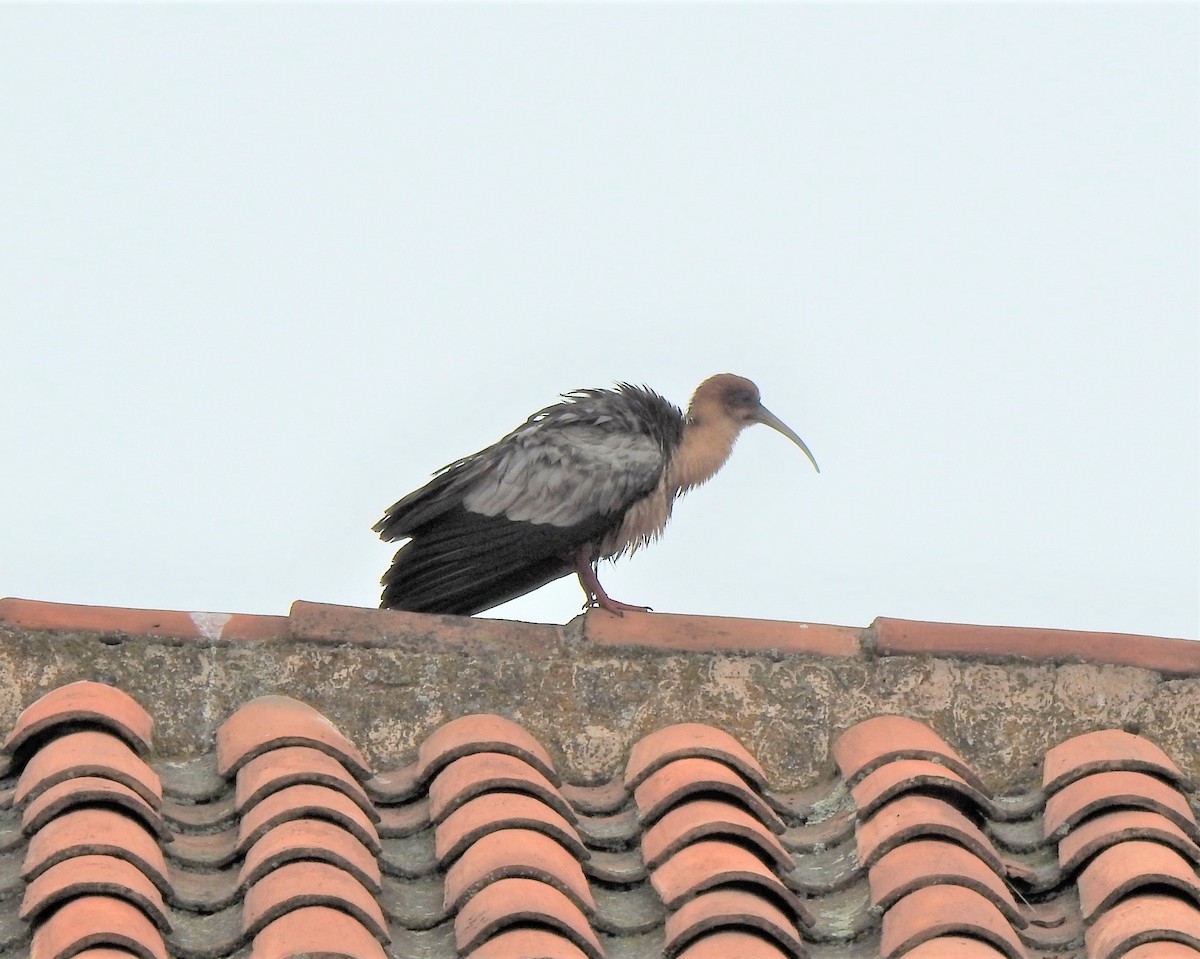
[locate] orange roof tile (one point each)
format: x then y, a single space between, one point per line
282 841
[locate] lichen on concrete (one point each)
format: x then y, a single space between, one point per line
589 704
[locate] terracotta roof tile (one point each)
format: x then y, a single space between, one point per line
493 811
1163 950
297 884
83 702
1143 919
67 617
314 839
1129 866
935 911
298 841
922 817
277 769
316 931
1107 750
926 862
1104 830
955 947
867 745
704 865
510 902
698 778
94 875
90 791
96 921
730 909
1102 791
520 853
481 733
903 637
87 753
527 943
674 631
730 943
710 818
95 831
683 740
911 775
306 802
270 722
479 773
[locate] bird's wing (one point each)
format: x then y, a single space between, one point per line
564 473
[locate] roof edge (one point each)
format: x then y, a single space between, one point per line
326 623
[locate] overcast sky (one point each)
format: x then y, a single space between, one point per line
265 268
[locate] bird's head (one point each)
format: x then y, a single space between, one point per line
737 400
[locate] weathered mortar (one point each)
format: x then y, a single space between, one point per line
588 703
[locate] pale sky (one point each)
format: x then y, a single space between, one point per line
265 268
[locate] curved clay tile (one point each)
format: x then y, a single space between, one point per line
395 786
90 791
684 740
316 930
1163 950
298 884
620 868
695 778
96 921
84 702
396 822
1101 791
87 753
526 942
479 773
927 862
1129 866
307 802
937 911
707 819
315 839
270 722
912 775
703 865
602 800
94 875
1143 919
1099 832
513 902
922 817
95 831
820 834
481 733
493 811
954 947
1107 750
276 769
867 745
619 830
205 851
729 909
516 853
731 943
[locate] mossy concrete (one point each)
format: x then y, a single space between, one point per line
588 704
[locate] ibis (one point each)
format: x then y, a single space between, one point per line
589 478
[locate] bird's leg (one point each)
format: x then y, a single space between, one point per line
596 596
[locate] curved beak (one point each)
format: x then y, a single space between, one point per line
767 418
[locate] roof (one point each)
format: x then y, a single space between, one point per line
345 782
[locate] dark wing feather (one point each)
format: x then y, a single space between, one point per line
503 522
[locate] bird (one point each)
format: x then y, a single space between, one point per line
591 477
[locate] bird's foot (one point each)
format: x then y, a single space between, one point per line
614 606
596 597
